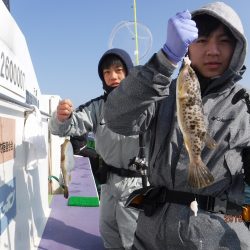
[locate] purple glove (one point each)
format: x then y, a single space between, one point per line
181 33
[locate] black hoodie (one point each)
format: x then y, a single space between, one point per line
123 55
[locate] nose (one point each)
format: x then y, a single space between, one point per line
113 74
213 48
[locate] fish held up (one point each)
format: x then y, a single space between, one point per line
191 121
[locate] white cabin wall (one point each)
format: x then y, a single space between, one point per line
24 215
24 164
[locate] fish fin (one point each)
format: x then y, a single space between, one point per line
210 142
183 95
199 176
186 60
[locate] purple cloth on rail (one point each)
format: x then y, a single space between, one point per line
71 227
82 180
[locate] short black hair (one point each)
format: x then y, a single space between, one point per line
206 24
110 60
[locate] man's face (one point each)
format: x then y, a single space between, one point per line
211 55
114 75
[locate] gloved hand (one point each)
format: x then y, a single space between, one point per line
181 33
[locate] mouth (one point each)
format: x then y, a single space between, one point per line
114 84
213 65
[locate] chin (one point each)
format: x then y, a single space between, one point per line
211 75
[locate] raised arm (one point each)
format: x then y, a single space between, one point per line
131 106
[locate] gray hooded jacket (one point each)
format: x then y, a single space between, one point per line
150 105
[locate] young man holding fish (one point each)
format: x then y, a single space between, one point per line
190 120
117 222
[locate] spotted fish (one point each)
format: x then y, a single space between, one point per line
191 121
67 165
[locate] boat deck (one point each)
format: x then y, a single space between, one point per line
73 227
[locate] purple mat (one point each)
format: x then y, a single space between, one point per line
70 227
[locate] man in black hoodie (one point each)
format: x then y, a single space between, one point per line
117 223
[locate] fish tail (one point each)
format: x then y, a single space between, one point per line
199 175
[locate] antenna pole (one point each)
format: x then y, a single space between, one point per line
136 36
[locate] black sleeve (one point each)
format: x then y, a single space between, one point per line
78 142
246 164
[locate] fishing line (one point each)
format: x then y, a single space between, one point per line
136 36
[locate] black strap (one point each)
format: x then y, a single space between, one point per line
142 156
151 198
246 164
205 202
121 171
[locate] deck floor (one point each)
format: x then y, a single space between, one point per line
71 227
